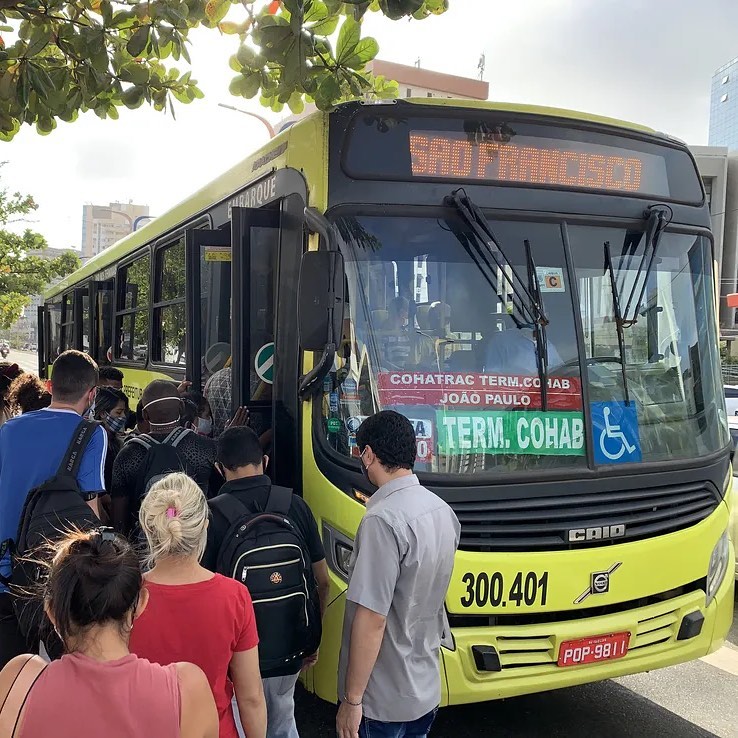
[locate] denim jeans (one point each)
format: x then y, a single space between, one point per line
415 729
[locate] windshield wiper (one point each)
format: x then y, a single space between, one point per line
485 250
618 319
487 253
658 217
540 327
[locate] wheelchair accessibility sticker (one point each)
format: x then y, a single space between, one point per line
615 428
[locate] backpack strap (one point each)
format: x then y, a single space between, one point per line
73 457
176 436
279 501
18 693
145 440
229 507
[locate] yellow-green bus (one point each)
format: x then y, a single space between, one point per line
533 288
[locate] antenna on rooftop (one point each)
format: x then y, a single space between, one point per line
481 65
417 62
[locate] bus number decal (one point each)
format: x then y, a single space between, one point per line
489 589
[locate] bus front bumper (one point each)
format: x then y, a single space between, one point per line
528 654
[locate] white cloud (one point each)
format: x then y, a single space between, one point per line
644 60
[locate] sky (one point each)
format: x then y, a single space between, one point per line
648 61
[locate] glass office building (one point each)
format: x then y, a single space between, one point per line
724 106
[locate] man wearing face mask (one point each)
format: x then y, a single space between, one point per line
189 452
388 676
32 447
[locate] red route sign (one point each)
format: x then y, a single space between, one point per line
471 390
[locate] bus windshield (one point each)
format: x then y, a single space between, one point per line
426 333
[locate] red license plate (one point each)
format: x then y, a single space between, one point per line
595 648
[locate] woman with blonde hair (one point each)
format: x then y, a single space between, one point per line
195 615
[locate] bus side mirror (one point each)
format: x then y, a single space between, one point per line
320 299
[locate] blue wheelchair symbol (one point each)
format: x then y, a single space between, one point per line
615 429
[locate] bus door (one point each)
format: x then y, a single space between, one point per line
41 333
208 303
255 237
102 302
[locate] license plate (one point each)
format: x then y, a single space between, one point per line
594 648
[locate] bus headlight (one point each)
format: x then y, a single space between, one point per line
338 550
718 566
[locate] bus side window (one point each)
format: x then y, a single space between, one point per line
67 322
132 316
215 309
85 318
169 305
103 322
55 331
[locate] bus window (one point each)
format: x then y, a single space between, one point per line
104 321
85 304
215 308
169 305
132 318
67 326
261 310
55 331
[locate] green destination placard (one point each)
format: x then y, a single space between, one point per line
510 432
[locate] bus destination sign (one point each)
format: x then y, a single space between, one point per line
532 160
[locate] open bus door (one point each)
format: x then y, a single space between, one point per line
41 348
208 278
267 247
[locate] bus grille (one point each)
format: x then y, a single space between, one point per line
544 522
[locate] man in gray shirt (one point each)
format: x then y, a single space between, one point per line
389 673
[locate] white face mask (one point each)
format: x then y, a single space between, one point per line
204 426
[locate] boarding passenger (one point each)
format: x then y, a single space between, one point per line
389 672
111 409
110 376
28 393
8 373
168 447
247 493
197 413
32 447
94 595
195 615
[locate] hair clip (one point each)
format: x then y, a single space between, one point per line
107 534
171 512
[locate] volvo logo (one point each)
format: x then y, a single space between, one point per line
598 533
599 583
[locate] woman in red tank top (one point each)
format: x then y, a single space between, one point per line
94 595
193 614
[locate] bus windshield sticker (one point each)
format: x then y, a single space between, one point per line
551 279
217 253
472 390
616 438
514 432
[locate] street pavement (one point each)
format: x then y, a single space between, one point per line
26 360
694 700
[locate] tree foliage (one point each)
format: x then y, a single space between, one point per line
23 269
61 57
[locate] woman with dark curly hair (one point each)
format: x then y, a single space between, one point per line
8 372
28 393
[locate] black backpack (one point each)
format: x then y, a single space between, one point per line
266 551
50 510
162 458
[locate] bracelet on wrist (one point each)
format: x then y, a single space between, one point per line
349 702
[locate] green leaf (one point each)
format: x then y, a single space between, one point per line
348 37
216 10
296 103
249 58
328 92
138 42
38 41
133 97
137 74
366 50
246 85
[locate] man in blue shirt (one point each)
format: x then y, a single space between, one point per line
31 449
513 351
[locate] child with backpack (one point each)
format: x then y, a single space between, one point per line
266 538
194 615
